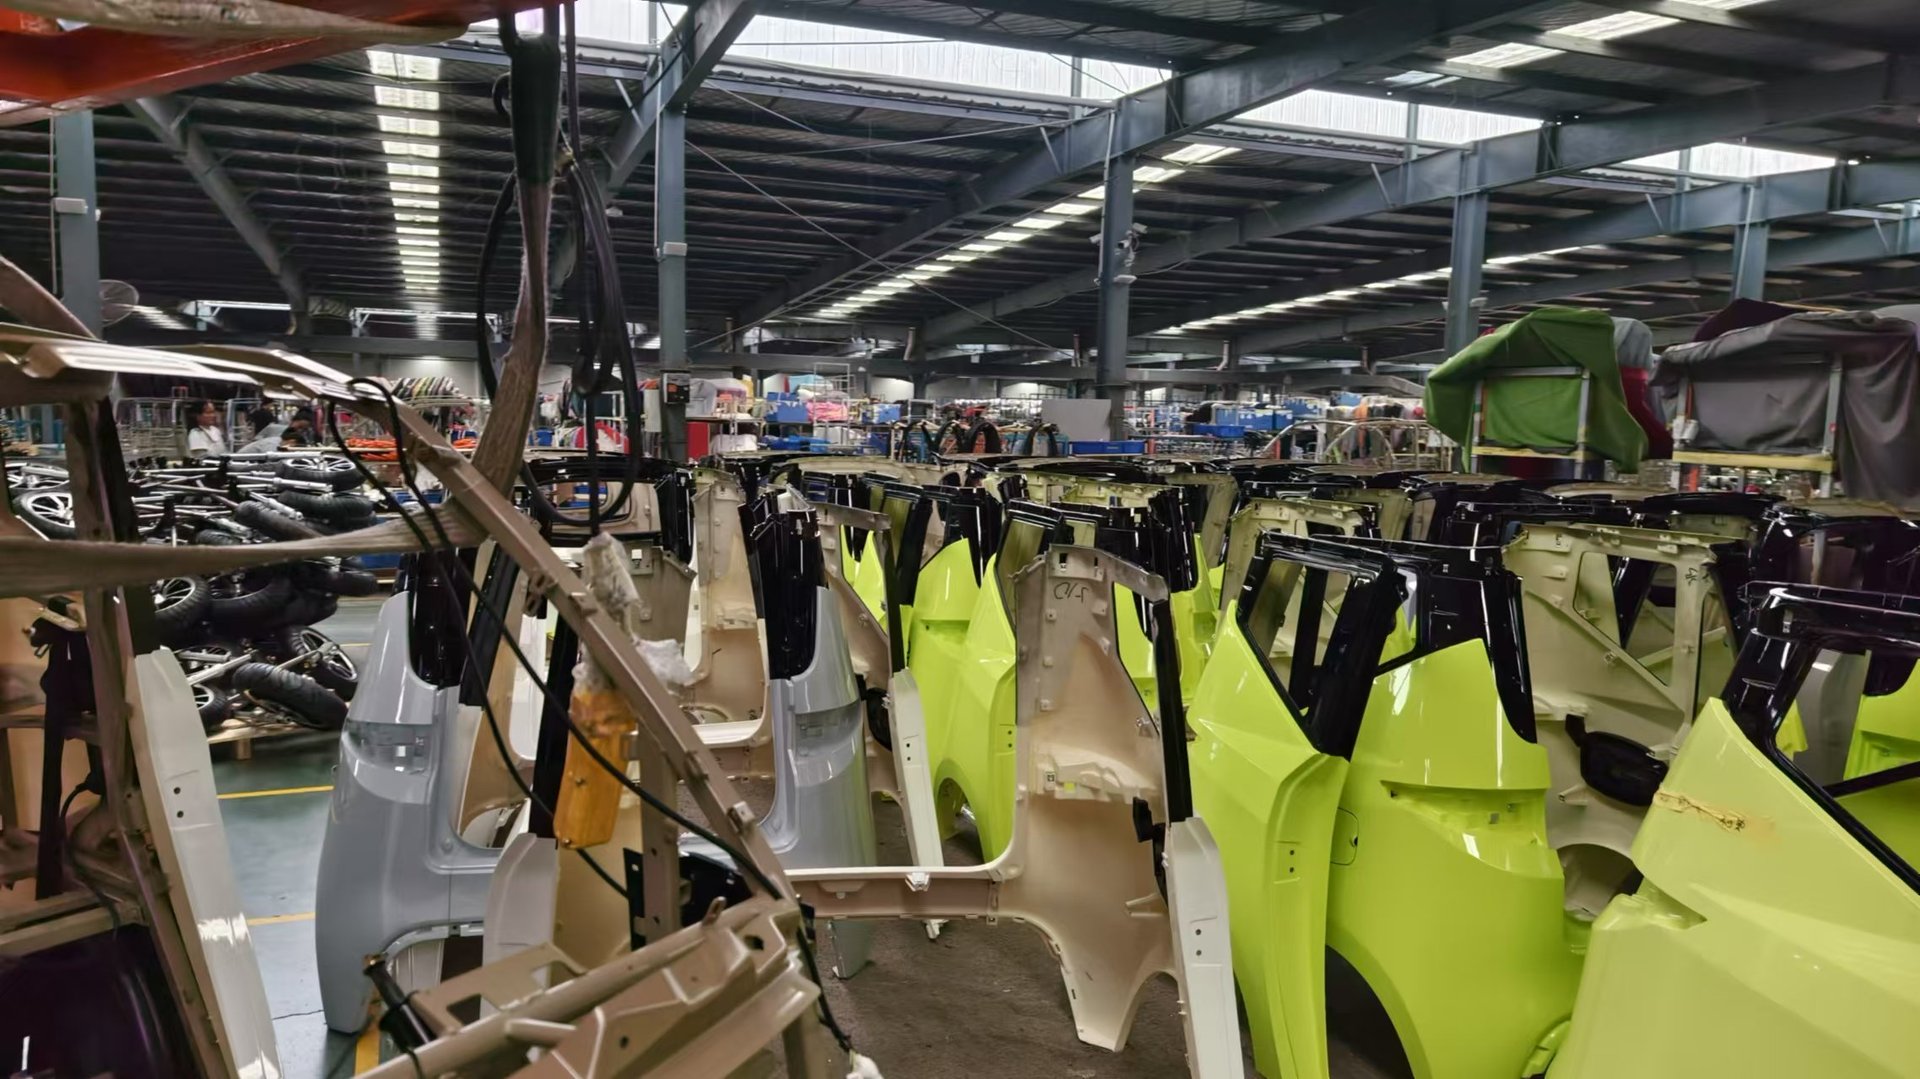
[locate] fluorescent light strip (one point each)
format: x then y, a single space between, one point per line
1606 28
409 149
425 219
412 188
396 65
408 168
1348 293
396 97
410 125
1087 202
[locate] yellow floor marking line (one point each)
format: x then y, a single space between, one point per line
366 1051
279 919
271 793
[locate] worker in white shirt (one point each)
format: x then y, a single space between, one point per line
268 432
204 436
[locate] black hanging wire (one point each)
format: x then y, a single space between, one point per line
605 352
486 604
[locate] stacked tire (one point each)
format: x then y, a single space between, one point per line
297 671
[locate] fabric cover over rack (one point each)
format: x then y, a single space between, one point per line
1541 413
1763 389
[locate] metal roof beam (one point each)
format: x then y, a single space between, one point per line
1883 40
1180 106
1503 161
1551 81
1628 51
1783 195
168 122
715 25
1902 240
981 33
1126 18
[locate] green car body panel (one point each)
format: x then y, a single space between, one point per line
1270 799
1760 920
962 656
1887 731
1445 802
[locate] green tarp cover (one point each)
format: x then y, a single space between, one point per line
1542 412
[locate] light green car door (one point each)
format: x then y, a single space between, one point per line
1271 729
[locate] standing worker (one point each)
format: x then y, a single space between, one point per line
204 436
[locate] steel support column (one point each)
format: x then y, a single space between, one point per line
1750 238
1116 283
670 252
76 205
1469 257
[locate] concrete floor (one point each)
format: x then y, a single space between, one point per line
982 1002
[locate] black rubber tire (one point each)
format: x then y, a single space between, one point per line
335 670
308 608
352 582
344 509
219 537
40 509
261 603
337 472
214 705
264 517
306 701
179 603
316 575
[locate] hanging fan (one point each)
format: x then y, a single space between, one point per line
117 301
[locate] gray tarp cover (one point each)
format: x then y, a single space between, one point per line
1763 389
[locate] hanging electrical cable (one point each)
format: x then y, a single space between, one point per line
604 357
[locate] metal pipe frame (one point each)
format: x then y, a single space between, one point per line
1505 161
1784 195
1147 118
1855 245
168 122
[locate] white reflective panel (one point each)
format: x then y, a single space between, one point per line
1457 126
1335 112
1730 159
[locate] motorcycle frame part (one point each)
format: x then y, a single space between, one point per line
696 1003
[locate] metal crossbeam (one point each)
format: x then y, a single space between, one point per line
1783 195
1785 27
1147 118
1504 161
168 122
1866 244
1125 18
707 30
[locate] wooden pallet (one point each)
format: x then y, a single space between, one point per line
241 735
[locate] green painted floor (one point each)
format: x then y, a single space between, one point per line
274 833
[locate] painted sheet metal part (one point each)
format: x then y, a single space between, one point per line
1777 903
1102 828
392 863
821 814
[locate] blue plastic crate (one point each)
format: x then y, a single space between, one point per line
789 412
1219 430
1132 445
